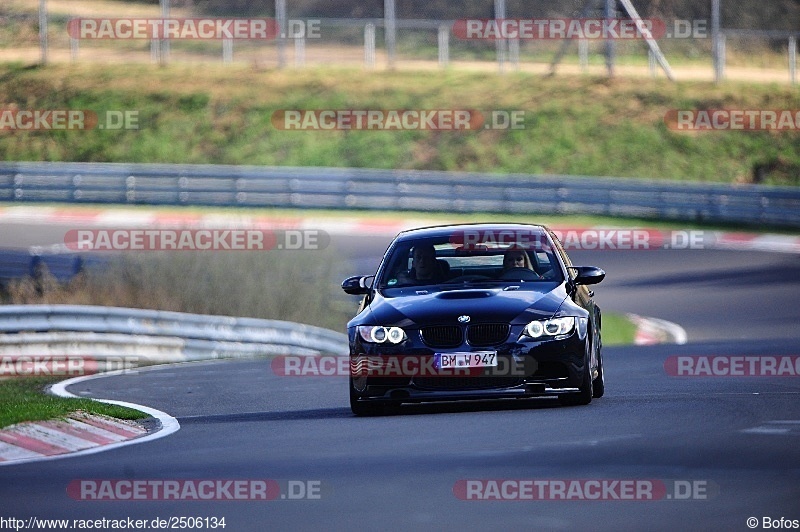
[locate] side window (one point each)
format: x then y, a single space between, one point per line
563 254
544 264
407 264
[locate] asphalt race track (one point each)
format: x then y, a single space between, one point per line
710 451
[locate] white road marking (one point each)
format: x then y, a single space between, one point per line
776 426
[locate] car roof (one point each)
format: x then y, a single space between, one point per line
446 230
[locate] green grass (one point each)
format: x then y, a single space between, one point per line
617 329
578 125
24 399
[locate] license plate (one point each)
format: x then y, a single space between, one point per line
481 359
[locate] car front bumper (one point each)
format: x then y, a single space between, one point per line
527 368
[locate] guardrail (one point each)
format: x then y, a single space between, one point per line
153 336
372 189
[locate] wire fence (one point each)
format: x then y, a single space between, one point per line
711 39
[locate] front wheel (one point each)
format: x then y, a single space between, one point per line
599 383
586 389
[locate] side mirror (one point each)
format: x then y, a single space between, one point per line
588 274
358 285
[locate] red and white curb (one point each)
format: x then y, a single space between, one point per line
137 218
757 242
651 331
142 218
80 433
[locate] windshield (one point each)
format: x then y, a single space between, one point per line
427 262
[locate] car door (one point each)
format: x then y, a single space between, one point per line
582 296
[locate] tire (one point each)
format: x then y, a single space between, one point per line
586 389
599 383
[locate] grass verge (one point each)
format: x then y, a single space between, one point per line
575 125
299 286
24 399
617 329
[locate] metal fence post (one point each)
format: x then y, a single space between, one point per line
513 53
43 30
390 30
715 46
227 51
610 50
500 44
583 54
300 51
155 50
651 63
793 59
164 54
74 48
444 46
369 45
280 16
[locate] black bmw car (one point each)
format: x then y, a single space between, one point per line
474 311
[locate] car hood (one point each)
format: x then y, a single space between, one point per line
412 307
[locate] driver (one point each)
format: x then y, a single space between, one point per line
424 266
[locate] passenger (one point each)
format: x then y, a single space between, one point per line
516 258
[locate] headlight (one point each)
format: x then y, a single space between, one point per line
396 335
553 327
378 334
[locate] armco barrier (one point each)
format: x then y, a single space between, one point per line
352 188
152 336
